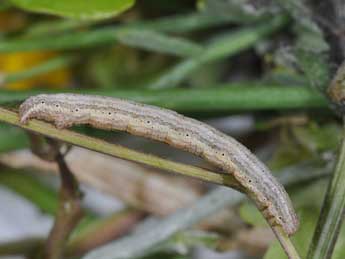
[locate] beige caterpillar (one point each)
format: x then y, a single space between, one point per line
65 110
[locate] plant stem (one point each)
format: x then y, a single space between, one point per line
68 214
102 231
231 97
77 139
286 243
332 212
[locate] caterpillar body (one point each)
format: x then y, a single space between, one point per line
167 126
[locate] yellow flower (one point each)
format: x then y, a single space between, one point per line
20 61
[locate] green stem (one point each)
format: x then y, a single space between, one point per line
77 139
231 97
286 243
332 213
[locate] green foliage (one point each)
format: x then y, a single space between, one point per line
319 138
211 59
309 204
42 196
158 42
240 9
77 9
307 201
217 98
300 143
219 48
315 66
11 138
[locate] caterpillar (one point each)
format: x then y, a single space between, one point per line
219 149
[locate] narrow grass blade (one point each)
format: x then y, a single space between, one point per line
231 97
220 48
332 212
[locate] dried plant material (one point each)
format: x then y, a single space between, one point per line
133 184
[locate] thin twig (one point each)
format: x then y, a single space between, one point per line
103 231
44 148
68 215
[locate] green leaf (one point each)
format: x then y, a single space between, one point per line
11 138
159 42
251 215
219 48
229 97
77 9
30 188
